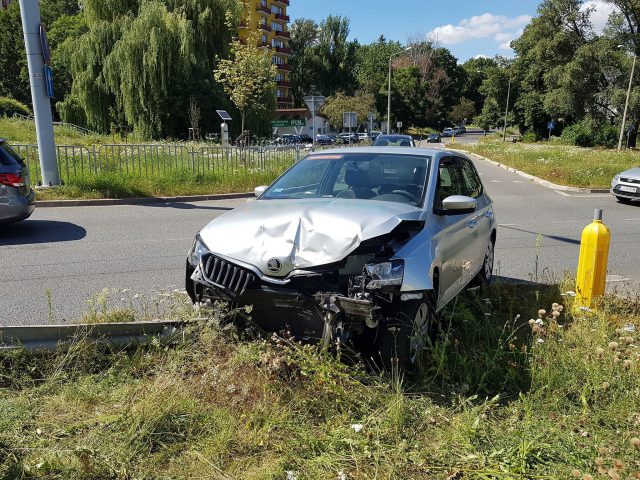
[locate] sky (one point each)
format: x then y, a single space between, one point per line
469 28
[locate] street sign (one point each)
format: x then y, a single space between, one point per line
224 115
551 125
44 44
314 102
350 120
48 81
371 117
288 122
399 125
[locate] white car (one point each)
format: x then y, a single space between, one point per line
364 136
626 185
352 243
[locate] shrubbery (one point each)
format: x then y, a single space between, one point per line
9 106
589 133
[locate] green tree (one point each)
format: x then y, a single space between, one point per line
464 110
338 104
248 77
490 116
304 37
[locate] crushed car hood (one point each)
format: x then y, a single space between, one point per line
298 234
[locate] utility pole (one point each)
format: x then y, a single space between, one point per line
30 13
506 113
389 92
626 104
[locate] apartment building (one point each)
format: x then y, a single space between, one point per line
270 19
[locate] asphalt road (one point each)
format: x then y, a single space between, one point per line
52 264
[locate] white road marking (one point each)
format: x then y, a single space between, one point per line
564 194
517 181
617 278
496 181
508 224
632 219
593 195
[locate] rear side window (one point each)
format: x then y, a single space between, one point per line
8 157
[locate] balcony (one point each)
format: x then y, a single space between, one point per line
283 17
283 34
282 2
261 9
265 27
264 45
284 99
284 50
284 83
283 66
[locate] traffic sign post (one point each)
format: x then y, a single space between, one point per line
371 117
399 125
551 126
350 120
314 103
41 82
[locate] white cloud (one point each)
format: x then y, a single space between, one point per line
600 14
481 55
481 26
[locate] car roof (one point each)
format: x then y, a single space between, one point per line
431 152
396 135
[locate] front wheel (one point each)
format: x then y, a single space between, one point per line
485 275
403 337
624 200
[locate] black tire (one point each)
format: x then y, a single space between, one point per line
485 275
403 336
623 200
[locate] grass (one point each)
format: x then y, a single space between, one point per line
499 398
18 131
560 164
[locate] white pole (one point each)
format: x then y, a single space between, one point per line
313 121
389 99
506 113
30 13
626 104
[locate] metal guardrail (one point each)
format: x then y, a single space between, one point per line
49 338
149 160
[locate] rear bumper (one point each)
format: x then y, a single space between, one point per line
17 208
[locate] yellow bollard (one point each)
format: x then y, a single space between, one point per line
592 266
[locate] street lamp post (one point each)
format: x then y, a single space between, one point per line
626 104
389 92
506 113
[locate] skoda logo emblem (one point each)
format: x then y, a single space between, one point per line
274 265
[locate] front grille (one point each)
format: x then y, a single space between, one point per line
226 276
617 190
304 322
630 180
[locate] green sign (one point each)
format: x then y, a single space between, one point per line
288 123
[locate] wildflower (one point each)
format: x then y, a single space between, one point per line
613 474
540 340
342 475
618 464
539 322
635 441
584 309
555 306
627 364
586 476
291 475
603 451
599 352
629 328
602 470
532 321
613 346
555 314
576 473
605 386
542 312
357 427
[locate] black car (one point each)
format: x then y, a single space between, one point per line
394 141
434 138
324 140
17 198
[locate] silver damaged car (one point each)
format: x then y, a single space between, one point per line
361 246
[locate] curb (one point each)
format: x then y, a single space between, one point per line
102 202
540 181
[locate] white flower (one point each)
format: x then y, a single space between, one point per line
540 340
342 475
629 328
585 309
291 475
357 427
539 322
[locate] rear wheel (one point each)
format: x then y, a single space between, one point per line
403 337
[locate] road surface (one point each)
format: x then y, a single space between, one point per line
52 264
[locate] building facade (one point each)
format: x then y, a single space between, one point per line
269 18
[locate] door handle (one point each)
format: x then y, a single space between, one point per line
473 224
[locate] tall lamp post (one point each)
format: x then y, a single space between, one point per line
626 104
389 92
506 113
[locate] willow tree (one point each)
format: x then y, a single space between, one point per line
248 77
141 61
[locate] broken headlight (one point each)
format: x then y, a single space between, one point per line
197 251
387 274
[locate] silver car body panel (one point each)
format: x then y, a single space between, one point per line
316 232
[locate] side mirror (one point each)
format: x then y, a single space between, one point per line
260 190
458 204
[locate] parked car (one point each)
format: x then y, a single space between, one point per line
344 136
305 139
364 136
626 185
459 130
375 134
394 141
447 132
324 140
434 138
361 246
17 198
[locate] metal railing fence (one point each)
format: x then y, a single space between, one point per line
153 160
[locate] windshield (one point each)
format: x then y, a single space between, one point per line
393 141
366 176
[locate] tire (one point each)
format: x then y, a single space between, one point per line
485 275
403 337
623 200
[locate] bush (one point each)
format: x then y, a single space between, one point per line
530 137
9 106
590 133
